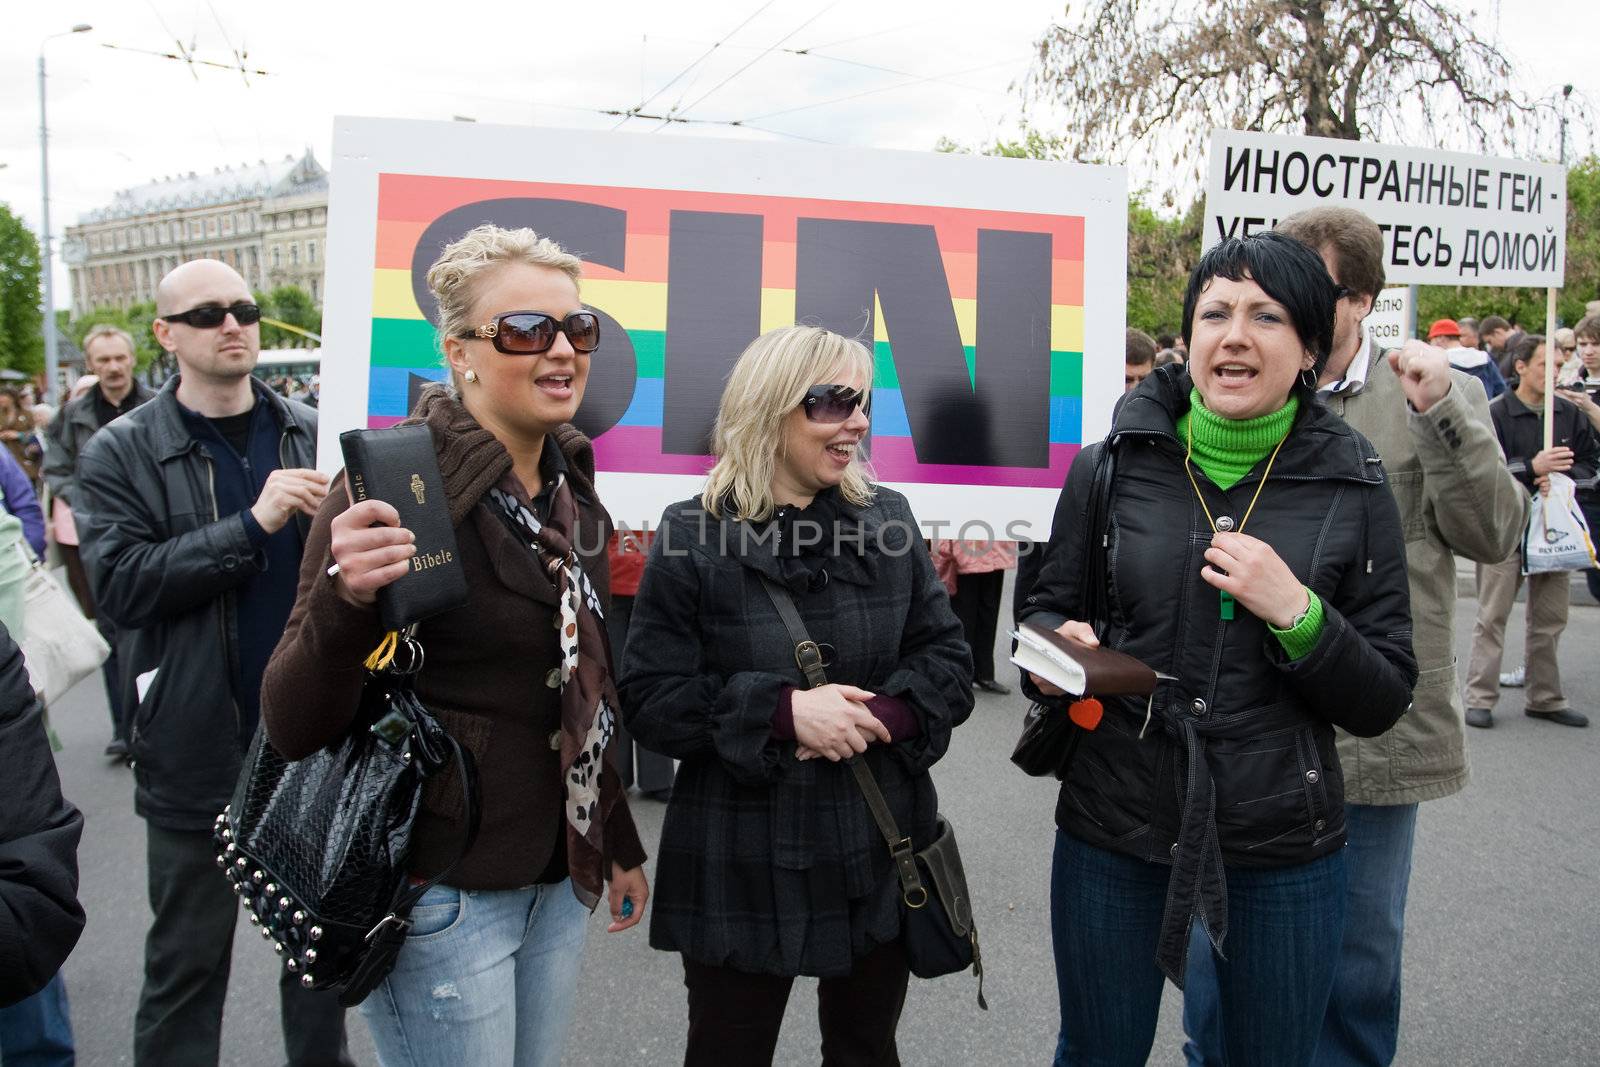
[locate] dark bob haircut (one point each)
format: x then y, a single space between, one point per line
1524 348
1287 271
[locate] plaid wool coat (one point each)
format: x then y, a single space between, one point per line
769 864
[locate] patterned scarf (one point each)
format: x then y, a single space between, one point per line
588 695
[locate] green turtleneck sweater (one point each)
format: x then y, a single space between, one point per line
1226 450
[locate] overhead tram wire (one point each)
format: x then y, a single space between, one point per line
632 112
187 57
762 55
156 11
237 56
864 36
812 53
815 52
869 92
613 112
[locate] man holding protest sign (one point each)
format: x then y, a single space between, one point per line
1573 449
1430 424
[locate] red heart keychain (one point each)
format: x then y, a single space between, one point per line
1086 712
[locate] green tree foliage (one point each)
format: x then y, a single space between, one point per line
293 305
1147 80
1161 253
1525 306
21 322
1161 250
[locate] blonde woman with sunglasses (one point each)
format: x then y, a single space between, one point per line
489 970
770 865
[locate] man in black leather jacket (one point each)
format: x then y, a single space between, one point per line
192 511
109 352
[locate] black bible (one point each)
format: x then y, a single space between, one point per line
399 467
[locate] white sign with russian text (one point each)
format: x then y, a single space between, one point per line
1448 218
1389 324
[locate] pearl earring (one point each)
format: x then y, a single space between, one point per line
471 375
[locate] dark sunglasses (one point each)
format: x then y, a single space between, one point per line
210 316
834 403
528 333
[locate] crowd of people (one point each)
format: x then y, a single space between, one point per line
1281 506
306 388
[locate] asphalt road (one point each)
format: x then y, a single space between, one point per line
1503 946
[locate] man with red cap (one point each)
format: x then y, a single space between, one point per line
1446 334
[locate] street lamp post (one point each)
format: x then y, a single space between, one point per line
51 361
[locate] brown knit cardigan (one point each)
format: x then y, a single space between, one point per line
484 671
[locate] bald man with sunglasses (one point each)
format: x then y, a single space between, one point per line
193 511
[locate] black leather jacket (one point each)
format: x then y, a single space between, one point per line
40 918
68 433
163 565
1243 726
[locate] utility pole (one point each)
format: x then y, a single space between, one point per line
52 366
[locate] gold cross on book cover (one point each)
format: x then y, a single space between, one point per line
398 466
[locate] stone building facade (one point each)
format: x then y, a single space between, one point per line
269 221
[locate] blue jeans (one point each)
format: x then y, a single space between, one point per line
37 1031
1362 1023
486 977
1284 926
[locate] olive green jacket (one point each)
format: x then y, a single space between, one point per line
1456 498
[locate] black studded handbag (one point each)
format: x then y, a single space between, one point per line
316 849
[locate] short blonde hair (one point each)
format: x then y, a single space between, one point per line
768 382
455 276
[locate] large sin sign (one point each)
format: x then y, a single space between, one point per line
977 316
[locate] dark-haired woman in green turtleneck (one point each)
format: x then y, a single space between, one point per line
1254 554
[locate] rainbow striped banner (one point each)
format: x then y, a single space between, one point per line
403 342
967 273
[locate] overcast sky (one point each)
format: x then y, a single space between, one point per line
879 73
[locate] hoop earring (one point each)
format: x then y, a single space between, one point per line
471 375
1308 378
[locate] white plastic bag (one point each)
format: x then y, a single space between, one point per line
1557 537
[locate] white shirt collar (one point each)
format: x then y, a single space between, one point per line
1355 375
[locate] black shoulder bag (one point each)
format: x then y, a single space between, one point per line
1049 736
936 928
316 849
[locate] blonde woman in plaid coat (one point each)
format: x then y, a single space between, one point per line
770 865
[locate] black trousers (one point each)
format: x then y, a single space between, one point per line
186 958
977 605
734 1017
655 771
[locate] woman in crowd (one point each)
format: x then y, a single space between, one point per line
19 500
770 864
1254 553
506 933
16 430
973 573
